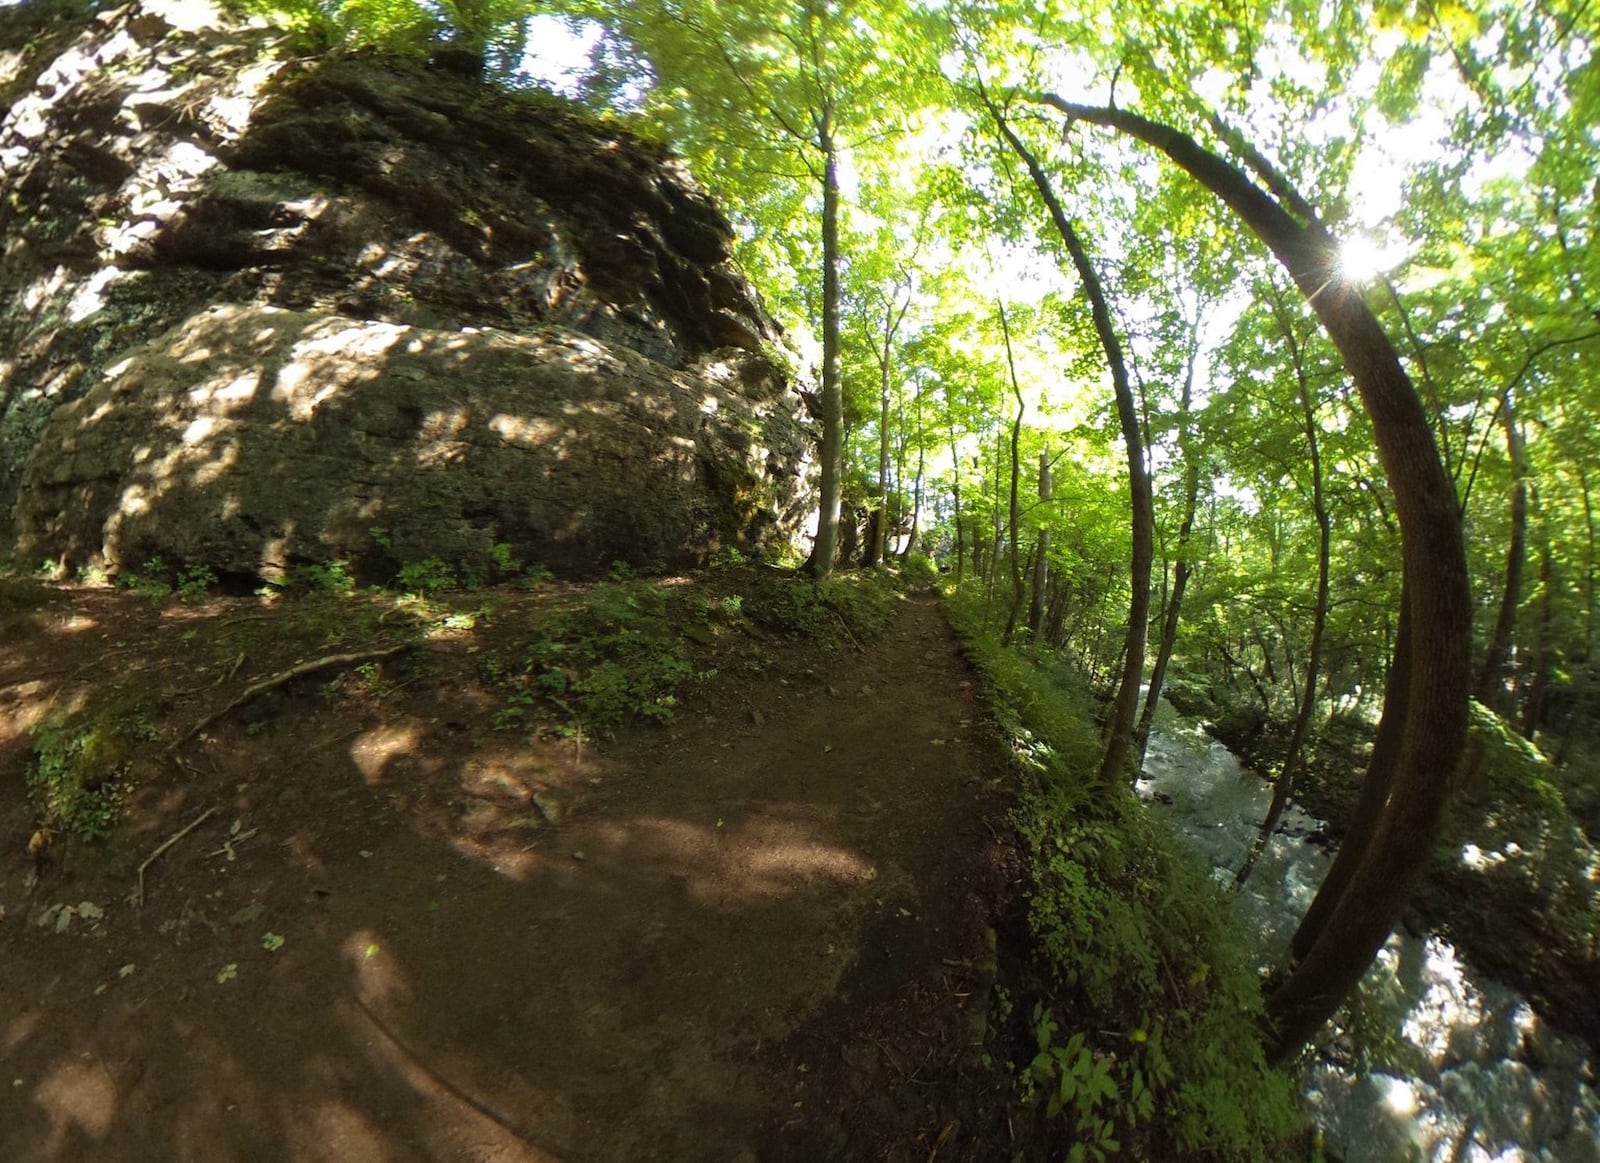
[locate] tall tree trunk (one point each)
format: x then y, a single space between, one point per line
1041 561
1119 732
832 451
955 494
1308 698
880 524
893 316
1016 472
1173 608
916 486
1488 689
1539 677
1436 584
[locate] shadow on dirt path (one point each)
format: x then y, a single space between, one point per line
757 933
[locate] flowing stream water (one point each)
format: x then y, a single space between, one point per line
1435 1063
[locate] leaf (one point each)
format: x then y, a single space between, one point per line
228 972
271 942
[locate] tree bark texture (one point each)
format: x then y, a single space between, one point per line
832 449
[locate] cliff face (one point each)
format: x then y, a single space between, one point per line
258 311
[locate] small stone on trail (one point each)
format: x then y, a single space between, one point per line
579 856
867 691
757 717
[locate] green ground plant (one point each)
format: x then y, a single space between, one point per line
1144 1041
80 769
148 582
611 658
847 607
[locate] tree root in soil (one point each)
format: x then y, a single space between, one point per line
300 670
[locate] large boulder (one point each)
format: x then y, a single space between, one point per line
187 210
253 438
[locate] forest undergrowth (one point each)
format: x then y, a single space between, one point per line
1128 1000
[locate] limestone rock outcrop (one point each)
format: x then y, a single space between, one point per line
253 308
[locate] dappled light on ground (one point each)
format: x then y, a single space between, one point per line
728 863
373 750
384 921
77 1095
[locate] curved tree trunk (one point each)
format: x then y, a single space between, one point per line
1440 604
1119 732
1373 796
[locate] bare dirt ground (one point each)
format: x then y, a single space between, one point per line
756 932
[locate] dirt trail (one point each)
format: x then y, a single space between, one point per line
756 933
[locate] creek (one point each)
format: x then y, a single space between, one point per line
1432 1062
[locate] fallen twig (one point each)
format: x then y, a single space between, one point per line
227 848
839 619
298 671
138 896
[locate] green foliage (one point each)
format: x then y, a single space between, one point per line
400 26
919 569
1134 947
329 577
500 564
614 657
195 582
78 776
1072 1078
150 582
846 607
428 576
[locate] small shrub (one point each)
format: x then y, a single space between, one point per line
195 582
428 576
616 658
78 776
919 569
327 577
150 582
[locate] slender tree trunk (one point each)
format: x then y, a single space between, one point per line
1436 583
832 451
880 526
1489 688
1041 561
1308 698
1119 732
916 487
1173 606
1539 679
1016 473
955 493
